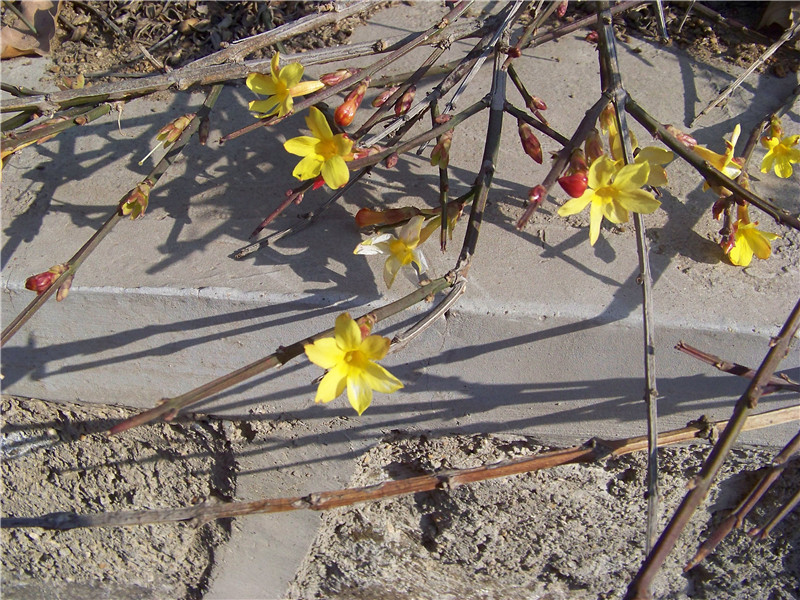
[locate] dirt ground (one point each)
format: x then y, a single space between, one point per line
573 532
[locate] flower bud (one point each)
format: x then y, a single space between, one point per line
172 130
592 37
318 183
536 195
530 142
575 185
391 160
535 104
381 98
514 52
562 8
775 129
442 119
683 138
404 102
577 162
331 79
41 283
594 146
135 203
347 110
367 217
63 289
440 155
203 129
365 324
608 118
359 153
719 207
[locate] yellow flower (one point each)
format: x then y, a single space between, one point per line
612 192
782 153
323 153
722 162
402 250
747 240
654 156
281 86
348 358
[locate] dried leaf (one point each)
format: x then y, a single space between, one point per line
19 40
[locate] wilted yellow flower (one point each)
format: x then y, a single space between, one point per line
281 86
323 153
349 359
722 162
612 192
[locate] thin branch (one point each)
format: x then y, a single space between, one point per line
75 262
15 140
169 407
610 74
737 517
788 34
761 533
709 173
778 382
779 348
592 450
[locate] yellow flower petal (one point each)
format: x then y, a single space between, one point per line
638 201
261 84
358 393
600 172
596 218
348 335
301 146
615 212
632 176
308 168
380 380
335 172
306 87
576 205
291 74
268 106
332 385
375 347
390 269
324 353
741 254
318 125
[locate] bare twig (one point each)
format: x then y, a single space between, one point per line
778 382
788 34
779 348
202 513
737 517
761 533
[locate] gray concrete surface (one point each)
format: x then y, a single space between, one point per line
546 341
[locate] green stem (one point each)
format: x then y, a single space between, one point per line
14 141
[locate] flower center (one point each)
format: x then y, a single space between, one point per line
326 148
401 251
354 358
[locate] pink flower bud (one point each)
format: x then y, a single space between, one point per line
366 217
365 324
347 110
530 142
331 79
562 8
63 289
536 195
442 119
535 104
683 138
592 37
404 103
381 98
359 153
391 160
577 162
594 146
575 185
41 283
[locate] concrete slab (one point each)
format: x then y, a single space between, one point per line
546 341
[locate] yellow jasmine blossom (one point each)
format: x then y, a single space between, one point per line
323 153
612 192
747 240
402 250
281 86
722 162
782 153
348 358
654 156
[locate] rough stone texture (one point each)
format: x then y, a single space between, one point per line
55 460
571 532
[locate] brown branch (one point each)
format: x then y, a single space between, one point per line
761 533
778 382
779 348
592 450
736 518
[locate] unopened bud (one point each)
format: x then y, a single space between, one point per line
347 110
359 153
683 138
63 289
318 183
594 146
391 160
577 162
381 98
514 52
530 143
442 119
536 104
775 129
562 8
608 118
404 102
365 324
440 155
336 77
575 185
203 129
172 131
536 195
135 203
592 37
367 217
41 283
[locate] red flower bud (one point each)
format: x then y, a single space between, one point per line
442 119
594 146
536 195
530 143
318 183
592 37
381 98
331 79
404 103
683 138
536 103
41 283
347 110
514 52
562 8
574 184
391 160
365 324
